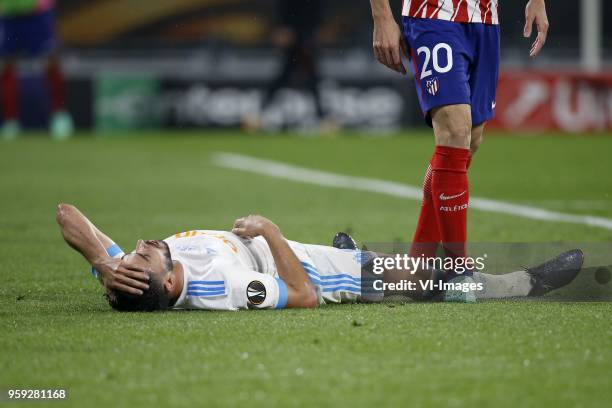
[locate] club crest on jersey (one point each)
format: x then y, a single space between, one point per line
432 86
256 293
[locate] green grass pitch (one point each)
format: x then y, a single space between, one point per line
58 332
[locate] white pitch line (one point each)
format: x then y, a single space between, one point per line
323 178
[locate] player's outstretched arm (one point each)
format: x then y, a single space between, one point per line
388 42
301 293
80 234
535 12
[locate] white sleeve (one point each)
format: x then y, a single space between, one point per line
254 290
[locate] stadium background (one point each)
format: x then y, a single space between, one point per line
203 63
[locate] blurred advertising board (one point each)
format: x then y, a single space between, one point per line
128 102
370 105
540 101
526 100
559 101
125 102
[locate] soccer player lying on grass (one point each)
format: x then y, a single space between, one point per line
254 266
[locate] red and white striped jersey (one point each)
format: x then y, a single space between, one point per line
461 11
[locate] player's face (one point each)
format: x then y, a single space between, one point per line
152 255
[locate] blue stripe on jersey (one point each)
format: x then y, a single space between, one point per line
312 269
203 282
333 283
205 294
201 285
315 280
283 294
203 288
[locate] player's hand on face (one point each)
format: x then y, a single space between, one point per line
117 274
535 12
389 44
252 226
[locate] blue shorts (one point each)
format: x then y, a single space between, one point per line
454 63
32 35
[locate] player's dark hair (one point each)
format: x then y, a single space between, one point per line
154 298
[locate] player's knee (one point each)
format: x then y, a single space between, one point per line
460 132
452 126
454 134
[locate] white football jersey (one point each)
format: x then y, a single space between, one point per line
225 272
221 273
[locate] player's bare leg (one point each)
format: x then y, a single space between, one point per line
452 125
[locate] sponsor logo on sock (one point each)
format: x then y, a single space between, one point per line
454 208
450 197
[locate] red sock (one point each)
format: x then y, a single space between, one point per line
450 191
427 236
55 84
9 92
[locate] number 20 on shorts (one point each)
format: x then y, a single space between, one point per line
433 57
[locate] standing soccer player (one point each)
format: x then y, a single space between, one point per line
27 28
453 46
